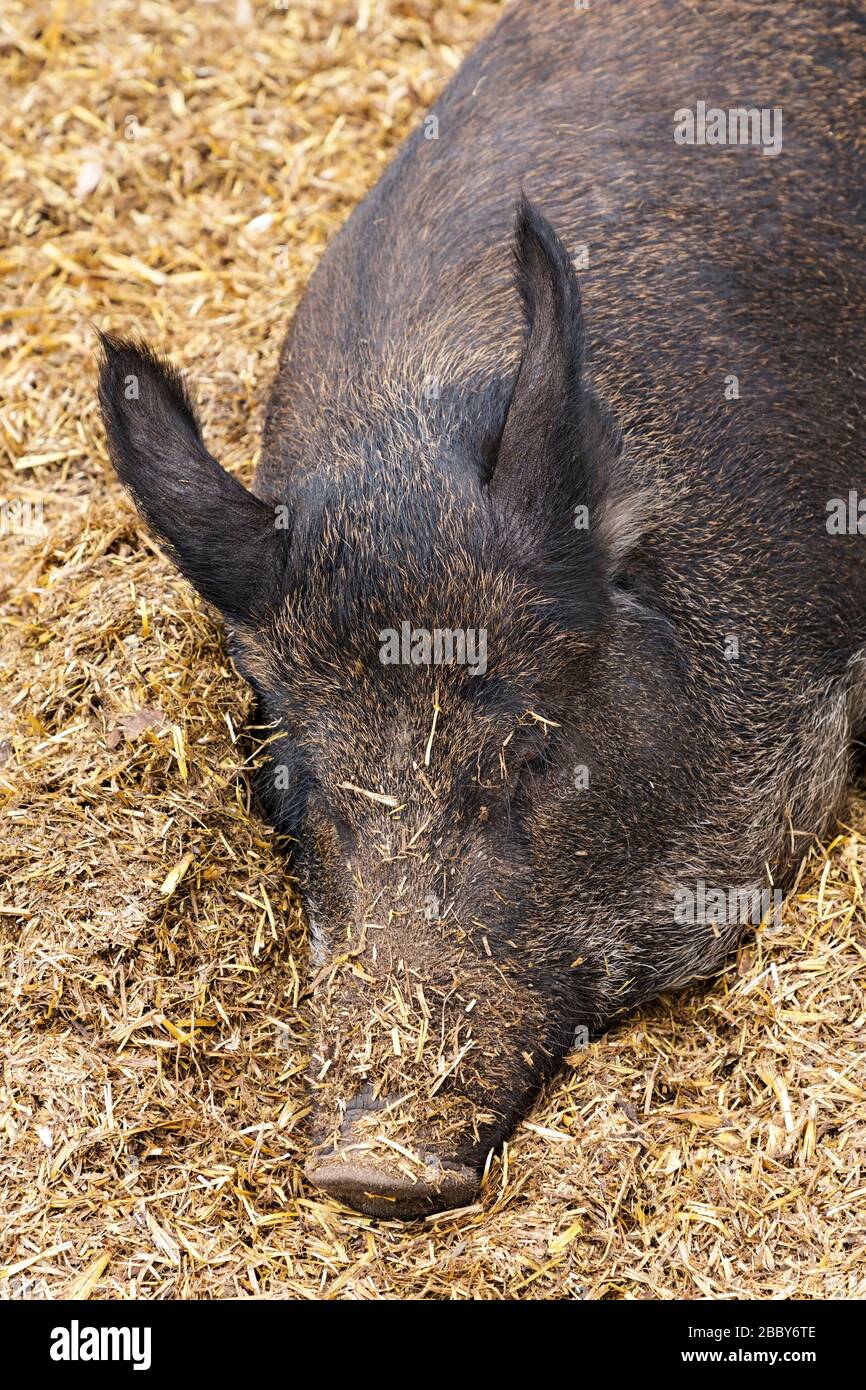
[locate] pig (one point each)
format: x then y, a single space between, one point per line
549 587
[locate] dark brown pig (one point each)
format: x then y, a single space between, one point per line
555 601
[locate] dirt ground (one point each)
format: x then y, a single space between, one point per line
175 169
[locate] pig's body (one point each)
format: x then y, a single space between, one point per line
672 694
704 263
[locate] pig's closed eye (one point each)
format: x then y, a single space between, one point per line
328 817
529 759
281 777
509 763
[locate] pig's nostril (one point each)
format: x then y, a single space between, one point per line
382 1191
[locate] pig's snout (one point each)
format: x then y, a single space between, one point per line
399 1189
380 1181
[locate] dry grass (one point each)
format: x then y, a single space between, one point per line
153 1032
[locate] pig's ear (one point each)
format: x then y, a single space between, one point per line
540 471
222 538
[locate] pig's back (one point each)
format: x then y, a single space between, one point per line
704 264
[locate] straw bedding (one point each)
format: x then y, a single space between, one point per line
176 169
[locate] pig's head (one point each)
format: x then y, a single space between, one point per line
440 655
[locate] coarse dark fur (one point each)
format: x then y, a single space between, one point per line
672 691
